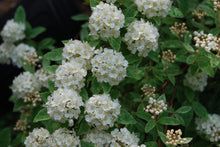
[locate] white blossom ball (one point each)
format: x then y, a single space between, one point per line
24 84
141 37
101 111
37 138
109 66
21 51
63 137
98 137
6 50
64 105
106 20
196 82
210 127
124 136
13 31
43 77
70 75
77 51
152 8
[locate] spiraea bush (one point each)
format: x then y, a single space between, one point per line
144 73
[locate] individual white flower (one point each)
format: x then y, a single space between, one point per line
101 111
70 75
142 37
64 105
124 136
37 138
21 51
77 51
210 127
6 50
106 21
43 77
24 84
98 138
109 66
196 82
64 137
13 31
152 8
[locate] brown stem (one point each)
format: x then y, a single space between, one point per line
173 94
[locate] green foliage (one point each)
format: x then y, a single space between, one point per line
80 17
149 126
20 15
5 137
54 55
125 118
41 115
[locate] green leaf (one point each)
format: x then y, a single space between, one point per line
96 86
136 73
130 12
80 17
46 43
19 103
51 86
151 144
20 15
84 33
200 110
115 93
106 87
162 137
93 3
204 65
129 20
26 66
183 109
36 31
143 115
41 115
162 97
115 43
208 10
175 12
51 68
149 126
44 96
20 138
190 95
189 47
172 79
86 144
55 55
171 44
168 121
5 137
180 118
83 128
183 5
154 56
84 94
125 118
185 140
191 59
127 3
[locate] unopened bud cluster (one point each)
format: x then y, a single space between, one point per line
216 5
21 125
155 107
199 13
32 59
179 28
206 41
168 56
174 137
33 97
210 127
149 90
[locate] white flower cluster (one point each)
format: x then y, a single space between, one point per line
153 8
110 1
115 139
101 111
70 75
21 51
6 50
43 77
98 138
109 66
156 106
106 21
64 105
37 138
210 127
64 138
141 36
77 51
206 41
125 137
196 82
25 83
13 31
